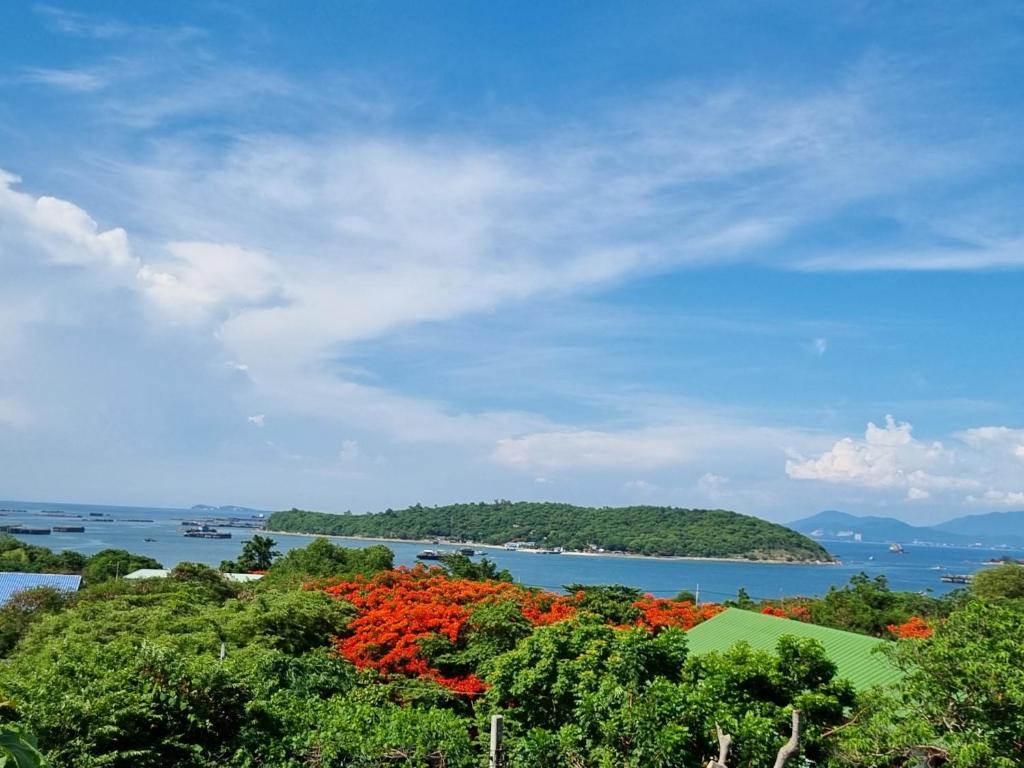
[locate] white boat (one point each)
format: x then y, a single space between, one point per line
897 548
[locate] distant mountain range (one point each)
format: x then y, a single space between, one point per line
990 529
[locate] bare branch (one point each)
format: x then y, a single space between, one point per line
724 742
792 745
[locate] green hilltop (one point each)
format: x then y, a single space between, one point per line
642 530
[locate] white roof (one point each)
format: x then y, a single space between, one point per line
163 573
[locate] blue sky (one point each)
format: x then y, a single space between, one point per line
760 256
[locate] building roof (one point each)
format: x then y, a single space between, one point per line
14 581
163 573
854 655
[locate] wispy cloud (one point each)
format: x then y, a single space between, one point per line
78 80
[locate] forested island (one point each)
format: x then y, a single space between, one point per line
642 530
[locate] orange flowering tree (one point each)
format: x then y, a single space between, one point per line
914 628
657 613
426 623
402 610
796 611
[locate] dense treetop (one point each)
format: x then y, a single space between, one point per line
667 531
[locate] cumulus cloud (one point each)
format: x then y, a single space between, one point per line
890 457
258 419
887 457
59 229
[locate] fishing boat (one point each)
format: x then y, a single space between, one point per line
430 554
897 548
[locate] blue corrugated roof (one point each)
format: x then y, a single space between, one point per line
12 582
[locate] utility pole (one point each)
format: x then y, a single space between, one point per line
497 754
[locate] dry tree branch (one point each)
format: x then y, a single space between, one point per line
724 742
792 745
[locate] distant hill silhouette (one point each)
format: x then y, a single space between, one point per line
992 528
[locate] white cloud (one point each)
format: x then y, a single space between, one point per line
574 449
889 457
201 279
76 80
819 346
350 452
999 498
62 231
259 419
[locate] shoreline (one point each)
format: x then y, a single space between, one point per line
501 547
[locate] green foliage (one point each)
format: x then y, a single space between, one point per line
868 606
1004 582
19 749
17 556
643 530
613 603
257 555
196 671
463 567
25 607
582 693
961 703
321 559
113 563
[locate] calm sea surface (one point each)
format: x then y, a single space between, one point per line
919 568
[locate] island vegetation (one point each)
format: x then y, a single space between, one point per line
662 531
337 659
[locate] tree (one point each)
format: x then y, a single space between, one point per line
321 559
961 703
460 566
25 607
257 555
1005 582
114 563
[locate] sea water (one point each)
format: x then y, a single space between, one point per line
918 569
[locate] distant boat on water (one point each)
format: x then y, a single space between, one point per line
957 578
205 532
430 554
897 548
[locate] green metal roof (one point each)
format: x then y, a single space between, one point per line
852 654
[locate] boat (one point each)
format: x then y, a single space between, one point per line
897 548
205 532
467 551
430 554
69 529
148 539
957 578
30 531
